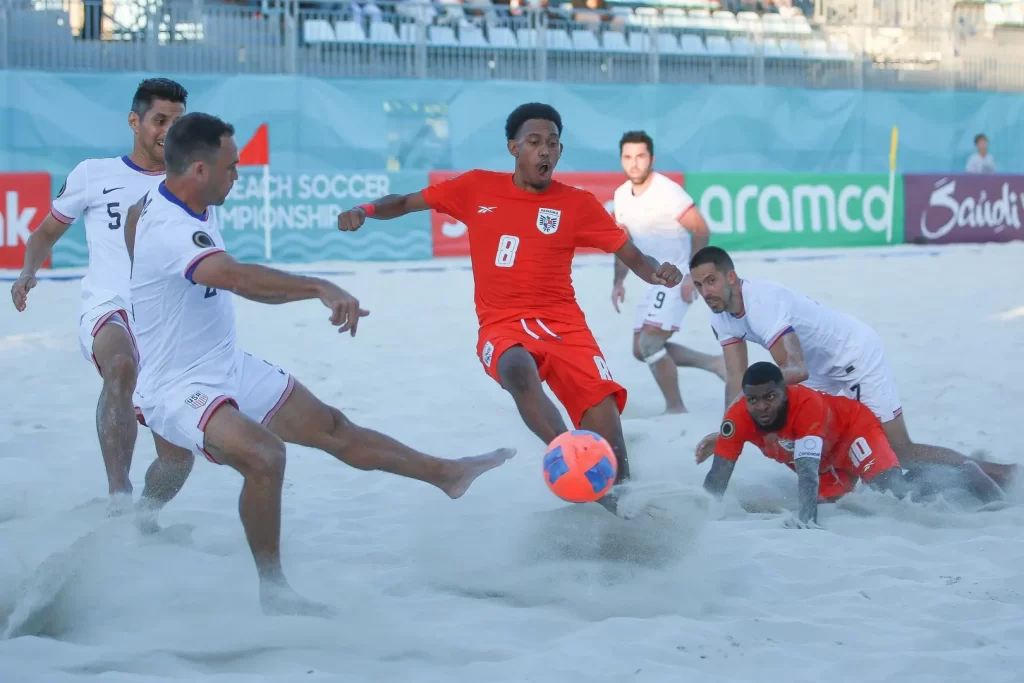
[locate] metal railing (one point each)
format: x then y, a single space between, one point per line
463 41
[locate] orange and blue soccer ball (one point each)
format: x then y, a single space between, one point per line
580 466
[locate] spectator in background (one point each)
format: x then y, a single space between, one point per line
981 161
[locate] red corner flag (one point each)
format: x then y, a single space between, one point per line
257 151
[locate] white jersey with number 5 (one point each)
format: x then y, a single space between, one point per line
101 190
652 219
843 355
185 331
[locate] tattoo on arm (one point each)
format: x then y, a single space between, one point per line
807 485
718 477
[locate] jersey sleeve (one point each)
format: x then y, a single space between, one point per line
768 317
722 332
453 196
734 432
680 202
186 246
73 197
595 227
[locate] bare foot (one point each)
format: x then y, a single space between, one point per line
1003 475
466 470
676 410
119 503
145 517
279 599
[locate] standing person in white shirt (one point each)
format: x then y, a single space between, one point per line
813 345
102 190
981 161
202 393
663 221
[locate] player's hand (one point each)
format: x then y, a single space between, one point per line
20 288
792 522
706 447
687 290
345 310
351 220
618 296
667 275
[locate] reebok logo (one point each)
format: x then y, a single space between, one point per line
486 209
24 203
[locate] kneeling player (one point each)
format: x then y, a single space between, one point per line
831 442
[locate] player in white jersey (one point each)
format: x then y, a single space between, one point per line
100 191
663 221
200 392
813 345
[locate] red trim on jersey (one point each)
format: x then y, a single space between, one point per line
779 335
140 417
207 454
280 402
190 269
212 408
61 217
730 341
691 207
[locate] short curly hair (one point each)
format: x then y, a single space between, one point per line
527 112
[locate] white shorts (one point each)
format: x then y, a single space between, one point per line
181 411
662 308
869 381
91 321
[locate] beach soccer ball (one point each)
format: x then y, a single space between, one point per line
580 466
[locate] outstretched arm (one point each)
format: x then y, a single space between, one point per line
387 207
789 356
718 477
807 458
37 250
271 286
646 268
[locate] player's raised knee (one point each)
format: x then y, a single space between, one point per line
649 348
265 459
120 369
518 371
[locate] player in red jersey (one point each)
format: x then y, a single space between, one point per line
524 229
831 442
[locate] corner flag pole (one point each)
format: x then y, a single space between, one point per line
257 153
894 140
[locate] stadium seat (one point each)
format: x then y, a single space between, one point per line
442 36
383 32
317 31
691 44
674 17
718 45
502 36
639 41
816 48
798 24
349 32
668 44
771 47
614 41
726 21
791 48
582 39
743 46
774 24
646 16
471 36
750 21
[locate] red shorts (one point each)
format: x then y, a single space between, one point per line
863 456
568 359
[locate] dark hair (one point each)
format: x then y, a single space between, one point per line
526 112
191 138
713 255
637 136
979 136
153 89
762 372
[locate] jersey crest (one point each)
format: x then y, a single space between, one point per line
547 220
202 240
727 430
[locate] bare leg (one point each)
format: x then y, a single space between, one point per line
650 342
307 421
911 454
259 456
519 377
115 413
604 419
164 479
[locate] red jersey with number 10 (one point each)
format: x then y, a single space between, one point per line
521 244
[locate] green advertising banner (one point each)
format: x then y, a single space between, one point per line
790 210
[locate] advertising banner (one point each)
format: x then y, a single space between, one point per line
303 217
451 238
24 203
944 209
784 210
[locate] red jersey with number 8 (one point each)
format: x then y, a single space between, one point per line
521 243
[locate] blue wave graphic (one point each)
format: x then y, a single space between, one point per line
300 247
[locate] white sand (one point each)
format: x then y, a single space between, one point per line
509 584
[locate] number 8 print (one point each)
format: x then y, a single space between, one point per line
507 247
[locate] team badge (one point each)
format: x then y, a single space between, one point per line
547 220
728 429
202 240
487 354
197 400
